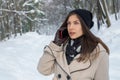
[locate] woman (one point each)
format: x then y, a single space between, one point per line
75 53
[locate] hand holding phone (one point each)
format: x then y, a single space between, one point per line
61 36
63 33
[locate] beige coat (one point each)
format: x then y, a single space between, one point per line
54 61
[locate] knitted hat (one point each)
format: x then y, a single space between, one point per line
86 16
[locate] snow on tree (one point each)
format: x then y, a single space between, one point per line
19 16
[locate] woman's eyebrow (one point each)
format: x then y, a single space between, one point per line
73 21
76 20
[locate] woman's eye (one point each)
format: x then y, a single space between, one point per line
76 22
68 23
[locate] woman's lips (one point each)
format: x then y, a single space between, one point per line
72 33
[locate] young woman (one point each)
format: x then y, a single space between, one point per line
76 53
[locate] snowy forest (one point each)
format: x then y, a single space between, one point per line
45 16
27 26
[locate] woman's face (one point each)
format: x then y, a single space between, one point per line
74 27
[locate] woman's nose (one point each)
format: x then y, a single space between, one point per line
71 26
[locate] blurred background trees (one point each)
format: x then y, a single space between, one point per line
45 16
19 16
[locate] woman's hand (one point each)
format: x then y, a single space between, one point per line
60 36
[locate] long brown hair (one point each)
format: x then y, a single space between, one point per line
89 42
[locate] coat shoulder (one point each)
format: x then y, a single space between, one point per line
98 52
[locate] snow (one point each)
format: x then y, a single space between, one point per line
19 56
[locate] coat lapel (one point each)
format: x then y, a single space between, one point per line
78 66
74 66
61 60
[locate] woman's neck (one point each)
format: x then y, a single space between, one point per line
78 38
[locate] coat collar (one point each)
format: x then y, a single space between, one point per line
74 66
79 66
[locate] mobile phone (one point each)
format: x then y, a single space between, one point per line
63 33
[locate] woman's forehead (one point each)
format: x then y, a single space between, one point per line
73 18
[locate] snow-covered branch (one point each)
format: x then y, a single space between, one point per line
20 13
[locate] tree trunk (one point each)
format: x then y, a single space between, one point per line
106 12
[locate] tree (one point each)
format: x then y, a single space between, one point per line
19 16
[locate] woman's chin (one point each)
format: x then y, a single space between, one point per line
72 37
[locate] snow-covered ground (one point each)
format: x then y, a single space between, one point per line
19 56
